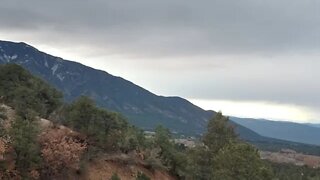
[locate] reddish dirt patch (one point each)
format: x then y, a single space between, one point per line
104 169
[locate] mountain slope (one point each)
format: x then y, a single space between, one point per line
282 130
140 106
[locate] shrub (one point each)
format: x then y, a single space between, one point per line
142 176
115 177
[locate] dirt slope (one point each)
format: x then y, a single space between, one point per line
104 169
126 166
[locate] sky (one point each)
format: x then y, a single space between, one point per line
247 58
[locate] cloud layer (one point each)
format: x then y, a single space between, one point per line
246 50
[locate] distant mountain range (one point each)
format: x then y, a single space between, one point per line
304 133
142 108
313 125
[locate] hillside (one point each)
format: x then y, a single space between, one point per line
87 143
126 166
83 141
282 130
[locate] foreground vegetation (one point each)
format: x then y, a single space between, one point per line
27 151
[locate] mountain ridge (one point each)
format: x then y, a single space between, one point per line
290 131
112 92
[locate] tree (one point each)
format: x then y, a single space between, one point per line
24 133
104 129
223 156
219 133
134 139
81 114
2 114
162 137
292 172
171 157
162 141
201 159
240 161
199 163
22 91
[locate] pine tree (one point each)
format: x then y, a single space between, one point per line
219 134
24 133
224 156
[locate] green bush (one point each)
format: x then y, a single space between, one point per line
2 114
3 117
22 91
115 177
107 130
142 176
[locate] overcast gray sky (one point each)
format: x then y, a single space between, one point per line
227 55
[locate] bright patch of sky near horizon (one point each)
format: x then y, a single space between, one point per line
259 110
246 58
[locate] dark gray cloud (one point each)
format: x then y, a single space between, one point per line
231 49
179 27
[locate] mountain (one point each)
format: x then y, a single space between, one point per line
313 125
289 131
140 106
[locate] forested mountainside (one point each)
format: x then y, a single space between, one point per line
141 107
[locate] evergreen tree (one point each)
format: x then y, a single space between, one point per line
199 164
240 161
219 133
173 159
24 133
223 156
106 130
81 115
